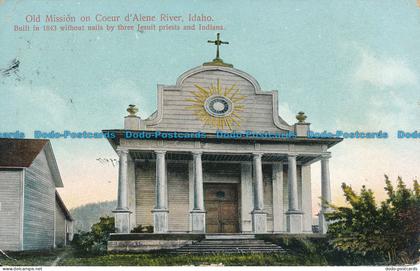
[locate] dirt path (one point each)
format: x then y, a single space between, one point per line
61 256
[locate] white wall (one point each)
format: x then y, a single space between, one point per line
11 193
38 226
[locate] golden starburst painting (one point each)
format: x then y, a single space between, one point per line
217 106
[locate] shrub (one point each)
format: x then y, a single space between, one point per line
142 229
389 231
95 241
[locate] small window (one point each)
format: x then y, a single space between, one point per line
220 194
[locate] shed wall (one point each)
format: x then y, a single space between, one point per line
11 193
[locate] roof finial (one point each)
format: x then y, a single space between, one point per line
132 109
301 117
217 61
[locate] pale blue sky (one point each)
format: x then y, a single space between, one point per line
348 64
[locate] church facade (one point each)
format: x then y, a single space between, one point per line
216 157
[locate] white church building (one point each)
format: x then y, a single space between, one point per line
179 175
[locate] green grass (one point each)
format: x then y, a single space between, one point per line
154 259
159 259
35 258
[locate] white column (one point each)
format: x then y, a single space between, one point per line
306 199
293 215
292 183
190 192
122 180
259 217
122 213
278 210
325 192
131 180
258 185
198 214
160 212
198 182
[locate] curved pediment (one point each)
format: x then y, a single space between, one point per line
211 98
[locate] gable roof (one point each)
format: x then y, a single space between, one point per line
19 152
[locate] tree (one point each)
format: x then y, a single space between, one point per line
390 230
95 241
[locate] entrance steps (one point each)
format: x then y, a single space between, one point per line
229 244
229 236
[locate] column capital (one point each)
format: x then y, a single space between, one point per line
161 152
197 153
122 151
257 155
325 156
290 155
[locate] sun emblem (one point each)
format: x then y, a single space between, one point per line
216 106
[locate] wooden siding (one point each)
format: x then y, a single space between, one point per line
145 192
278 208
307 194
60 227
39 205
178 189
180 185
11 192
178 199
268 195
257 114
299 186
221 173
246 195
131 191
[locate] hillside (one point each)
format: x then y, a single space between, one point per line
89 214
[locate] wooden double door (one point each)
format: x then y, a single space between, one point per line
221 203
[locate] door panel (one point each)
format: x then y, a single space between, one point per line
221 203
212 217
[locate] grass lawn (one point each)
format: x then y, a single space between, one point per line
168 260
161 259
41 258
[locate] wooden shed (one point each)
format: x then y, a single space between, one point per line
32 214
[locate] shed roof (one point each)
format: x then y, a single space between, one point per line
19 152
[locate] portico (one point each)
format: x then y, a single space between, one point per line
273 184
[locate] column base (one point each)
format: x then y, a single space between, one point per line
259 221
160 220
294 221
322 223
122 220
198 221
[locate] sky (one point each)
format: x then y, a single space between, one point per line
349 65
